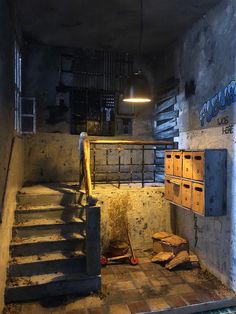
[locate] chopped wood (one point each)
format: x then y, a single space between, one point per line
174 240
193 258
157 247
161 235
174 249
162 257
180 258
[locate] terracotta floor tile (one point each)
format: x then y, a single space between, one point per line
157 304
123 277
124 285
115 297
175 280
119 309
147 266
108 278
95 310
106 270
180 288
191 298
132 295
150 273
175 301
77 311
139 275
138 307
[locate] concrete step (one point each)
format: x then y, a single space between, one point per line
47 244
47 199
68 262
48 212
44 227
44 286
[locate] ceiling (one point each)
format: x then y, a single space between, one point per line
108 24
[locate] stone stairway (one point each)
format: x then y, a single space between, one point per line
55 245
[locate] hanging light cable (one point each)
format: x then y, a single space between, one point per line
137 89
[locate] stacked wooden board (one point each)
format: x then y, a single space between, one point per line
172 250
196 180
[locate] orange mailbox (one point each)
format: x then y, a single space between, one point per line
198 166
187 164
168 189
177 156
187 193
169 162
198 198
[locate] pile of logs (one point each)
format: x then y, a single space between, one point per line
172 251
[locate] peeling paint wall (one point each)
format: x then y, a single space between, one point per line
14 183
15 171
144 209
206 56
52 157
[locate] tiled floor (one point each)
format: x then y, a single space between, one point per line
130 289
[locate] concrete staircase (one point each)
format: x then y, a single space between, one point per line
55 248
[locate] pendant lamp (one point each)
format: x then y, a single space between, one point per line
137 89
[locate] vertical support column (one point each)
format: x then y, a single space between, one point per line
119 149
107 152
131 165
93 265
154 163
94 166
142 166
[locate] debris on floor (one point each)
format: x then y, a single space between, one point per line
172 250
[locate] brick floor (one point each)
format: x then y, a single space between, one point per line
146 287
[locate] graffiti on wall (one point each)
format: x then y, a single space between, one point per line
227 127
223 99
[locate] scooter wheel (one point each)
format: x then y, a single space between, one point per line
103 261
133 260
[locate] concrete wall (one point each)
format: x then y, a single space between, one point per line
14 183
144 209
206 56
53 157
6 89
12 176
41 77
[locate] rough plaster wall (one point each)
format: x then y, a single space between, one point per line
52 157
6 89
216 236
8 33
145 210
14 183
207 55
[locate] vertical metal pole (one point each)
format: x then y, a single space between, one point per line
154 163
106 164
94 166
142 166
131 163
119 166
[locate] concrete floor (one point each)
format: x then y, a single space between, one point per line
128 289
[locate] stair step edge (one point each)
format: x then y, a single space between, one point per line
37 280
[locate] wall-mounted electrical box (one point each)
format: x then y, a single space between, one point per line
196 180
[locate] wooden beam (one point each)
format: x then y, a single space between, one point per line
165 126
165 105
167 134
167 115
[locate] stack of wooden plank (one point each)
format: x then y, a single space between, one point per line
172 250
